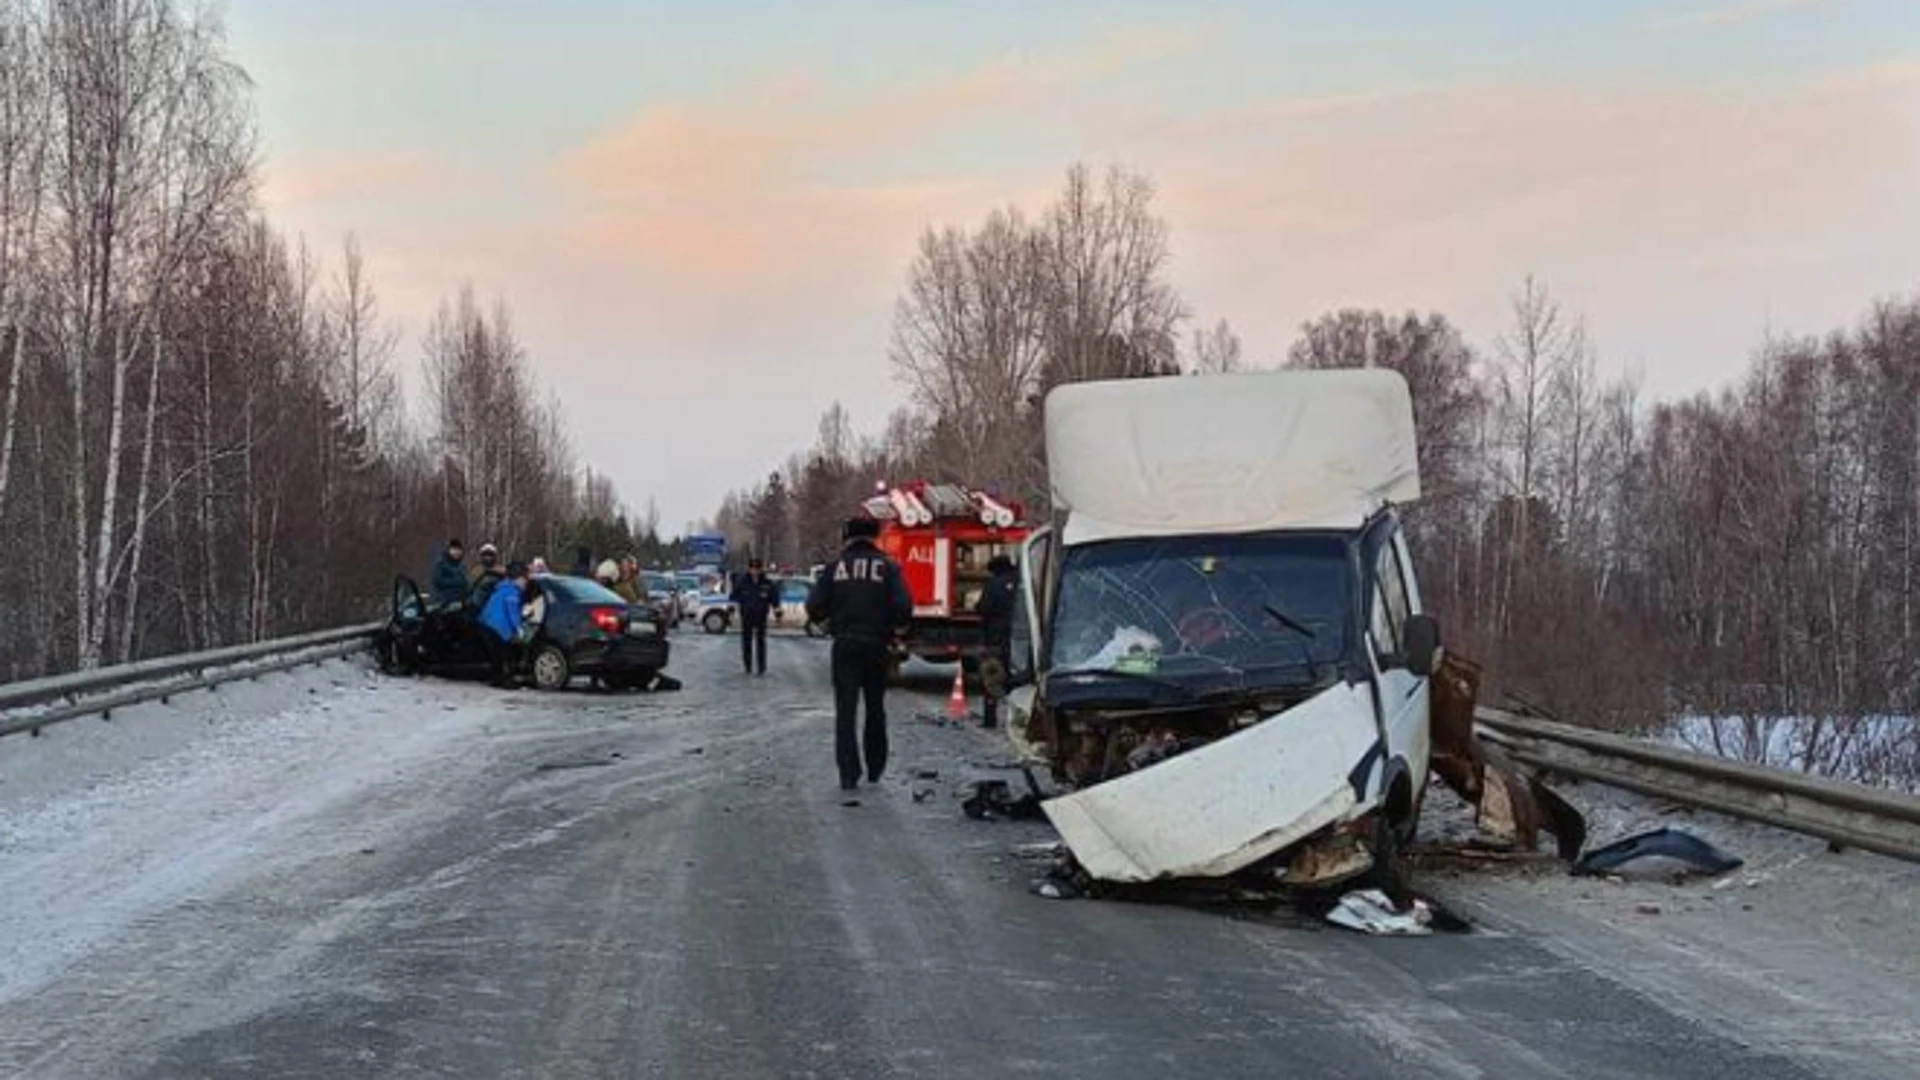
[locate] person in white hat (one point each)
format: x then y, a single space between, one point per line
487 574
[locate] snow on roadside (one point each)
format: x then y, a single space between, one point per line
1883 751
102 824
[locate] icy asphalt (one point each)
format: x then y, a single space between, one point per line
386 878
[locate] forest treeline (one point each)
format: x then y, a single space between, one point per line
202 437
1746 552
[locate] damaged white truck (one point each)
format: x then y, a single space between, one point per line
1224 653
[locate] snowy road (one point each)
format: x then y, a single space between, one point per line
371 878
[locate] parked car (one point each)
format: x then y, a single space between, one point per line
664 591
714 612
687 589
588 630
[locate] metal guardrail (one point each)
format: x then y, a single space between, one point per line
1844 813
59 698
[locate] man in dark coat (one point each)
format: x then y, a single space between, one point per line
754 597
997 601
862 600
486 575
449 580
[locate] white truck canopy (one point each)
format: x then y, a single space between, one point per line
1229 453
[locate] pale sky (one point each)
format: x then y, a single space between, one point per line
702 213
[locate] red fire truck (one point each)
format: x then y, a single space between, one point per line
943 535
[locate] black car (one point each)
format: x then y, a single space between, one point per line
587 629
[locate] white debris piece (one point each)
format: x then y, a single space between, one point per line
1370 912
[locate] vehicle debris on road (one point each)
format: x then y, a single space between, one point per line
1370 912
993 798
1664 843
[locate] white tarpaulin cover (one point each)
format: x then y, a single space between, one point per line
1230 453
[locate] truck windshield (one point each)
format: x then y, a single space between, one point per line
1186 607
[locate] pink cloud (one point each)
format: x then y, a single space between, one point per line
733 190
325 180
1649 199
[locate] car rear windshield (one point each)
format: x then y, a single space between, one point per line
582 591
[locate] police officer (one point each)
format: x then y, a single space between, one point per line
863 601
754 597
996 623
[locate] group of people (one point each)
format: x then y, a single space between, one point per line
861 598
509 607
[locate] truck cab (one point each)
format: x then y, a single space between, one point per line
1224 653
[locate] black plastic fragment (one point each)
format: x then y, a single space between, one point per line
1668 843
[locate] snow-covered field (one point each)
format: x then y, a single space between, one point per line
1880 750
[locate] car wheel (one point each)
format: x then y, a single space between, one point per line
714 622
1389 873
550 668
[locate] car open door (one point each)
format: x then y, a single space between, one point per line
1028 645
409 607
398 645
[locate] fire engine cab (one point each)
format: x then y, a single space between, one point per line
943 536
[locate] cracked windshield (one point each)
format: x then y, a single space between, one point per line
1198 607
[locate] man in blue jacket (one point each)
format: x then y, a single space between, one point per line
754 597
449 582
500 623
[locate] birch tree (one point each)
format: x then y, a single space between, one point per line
24 115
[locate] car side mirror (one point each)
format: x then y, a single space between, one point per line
1423 644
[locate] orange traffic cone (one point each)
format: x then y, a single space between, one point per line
957 701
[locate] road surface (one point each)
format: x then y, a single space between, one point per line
393 878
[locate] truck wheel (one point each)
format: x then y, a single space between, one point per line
715 622
1389 873
550 668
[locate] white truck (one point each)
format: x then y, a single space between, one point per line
1224 652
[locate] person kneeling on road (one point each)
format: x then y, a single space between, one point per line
863 601
501 623
754 597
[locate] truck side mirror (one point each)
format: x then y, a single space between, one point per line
1423 644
